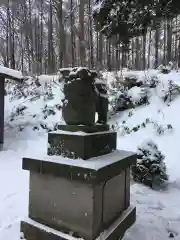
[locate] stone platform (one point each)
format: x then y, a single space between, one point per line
85 197
33 230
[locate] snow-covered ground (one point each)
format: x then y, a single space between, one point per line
158 212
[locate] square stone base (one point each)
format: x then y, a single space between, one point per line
81 145
35 231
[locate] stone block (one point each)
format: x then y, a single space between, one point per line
81 145
80 196
35 231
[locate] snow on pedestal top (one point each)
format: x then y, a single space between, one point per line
95 163
79 133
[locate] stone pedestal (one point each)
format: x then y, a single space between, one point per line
87 199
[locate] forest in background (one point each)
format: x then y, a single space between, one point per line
41 36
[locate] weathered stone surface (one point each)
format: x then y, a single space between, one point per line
55 202
84 128
93 171
34 231
80 72
79 113
79 105
63 204
113 198
121 225
83 97
56 189
83 146
78 89
127 186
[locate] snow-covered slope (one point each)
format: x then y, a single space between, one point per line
158 212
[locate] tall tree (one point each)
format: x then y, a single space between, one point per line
91 48
50 61
61 33
169 40
81 34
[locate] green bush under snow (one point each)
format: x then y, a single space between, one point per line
150 168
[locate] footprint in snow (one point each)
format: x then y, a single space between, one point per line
141 193
157 206
10 195
9 226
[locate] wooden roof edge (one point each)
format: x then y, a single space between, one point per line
20 80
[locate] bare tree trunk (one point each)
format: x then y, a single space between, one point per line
176 42
11 35
117 57
31 42
100 50
165 42
137 60
169 41
61 34
133 54
81 34
51 64
41 39
124 55
108 52
91 49
73 44
144 51
149 49
97 50
7 38
22 53
26 33
157 33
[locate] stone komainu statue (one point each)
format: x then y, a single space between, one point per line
85 95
